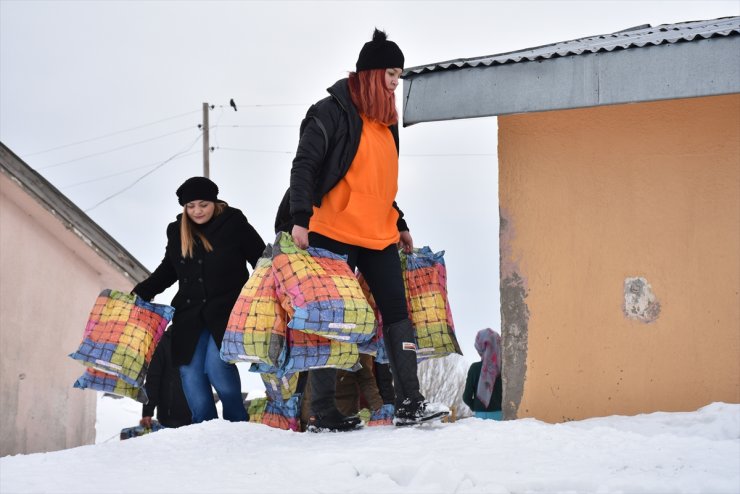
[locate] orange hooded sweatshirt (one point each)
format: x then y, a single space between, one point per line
359 209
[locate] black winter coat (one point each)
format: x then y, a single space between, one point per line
209 282
330 135
164 388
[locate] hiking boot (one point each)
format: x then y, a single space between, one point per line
400 345
333 423
419 412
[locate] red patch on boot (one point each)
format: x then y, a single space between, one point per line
408 346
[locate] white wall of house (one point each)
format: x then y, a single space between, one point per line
49 280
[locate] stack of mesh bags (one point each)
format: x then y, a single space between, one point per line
120 337
300 310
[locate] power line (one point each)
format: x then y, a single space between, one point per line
446 155
254 126
430 155
266 105
109 135
98 179
146 174
252 150
116 149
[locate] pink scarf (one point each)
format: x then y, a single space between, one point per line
488 345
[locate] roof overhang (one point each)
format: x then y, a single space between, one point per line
685 69
72 217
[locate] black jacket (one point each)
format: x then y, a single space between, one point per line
471 385
283 219
330 135
209 282
164 388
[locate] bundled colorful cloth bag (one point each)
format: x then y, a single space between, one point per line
381 416
425 278
282 410
256 331
322 295
280 388
311 351
256 409
121 334
108 383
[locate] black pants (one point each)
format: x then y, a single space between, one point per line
381 269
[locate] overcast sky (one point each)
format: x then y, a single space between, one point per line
127 79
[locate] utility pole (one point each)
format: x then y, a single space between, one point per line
206 146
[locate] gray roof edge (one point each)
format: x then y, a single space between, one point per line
633 37
71 216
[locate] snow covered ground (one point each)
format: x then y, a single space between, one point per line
653 453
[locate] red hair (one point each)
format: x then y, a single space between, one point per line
371 97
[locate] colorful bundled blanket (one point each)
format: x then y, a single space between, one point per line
382 416
282 409
311 351
283 414
256 409
256 331
108 383
320 293
280 388
121 334
425 277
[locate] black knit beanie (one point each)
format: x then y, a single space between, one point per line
380 54
197 189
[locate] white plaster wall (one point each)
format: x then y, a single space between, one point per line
49 279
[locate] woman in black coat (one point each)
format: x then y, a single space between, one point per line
208 247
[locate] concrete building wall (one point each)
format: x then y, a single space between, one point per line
49 282
620 258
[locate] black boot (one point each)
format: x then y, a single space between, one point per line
411 407
324 414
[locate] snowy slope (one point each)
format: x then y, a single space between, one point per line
657 453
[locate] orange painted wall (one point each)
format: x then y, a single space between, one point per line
593 196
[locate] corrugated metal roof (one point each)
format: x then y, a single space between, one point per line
636 37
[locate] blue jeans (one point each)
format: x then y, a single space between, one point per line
206 369
489 415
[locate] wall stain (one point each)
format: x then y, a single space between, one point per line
639 300
514 324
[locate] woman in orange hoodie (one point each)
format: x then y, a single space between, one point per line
343 186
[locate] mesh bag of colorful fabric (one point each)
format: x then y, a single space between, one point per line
283 414
280 388
121 334
256 409
108 383
425 278
321 293
257 325
310 351
381 416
